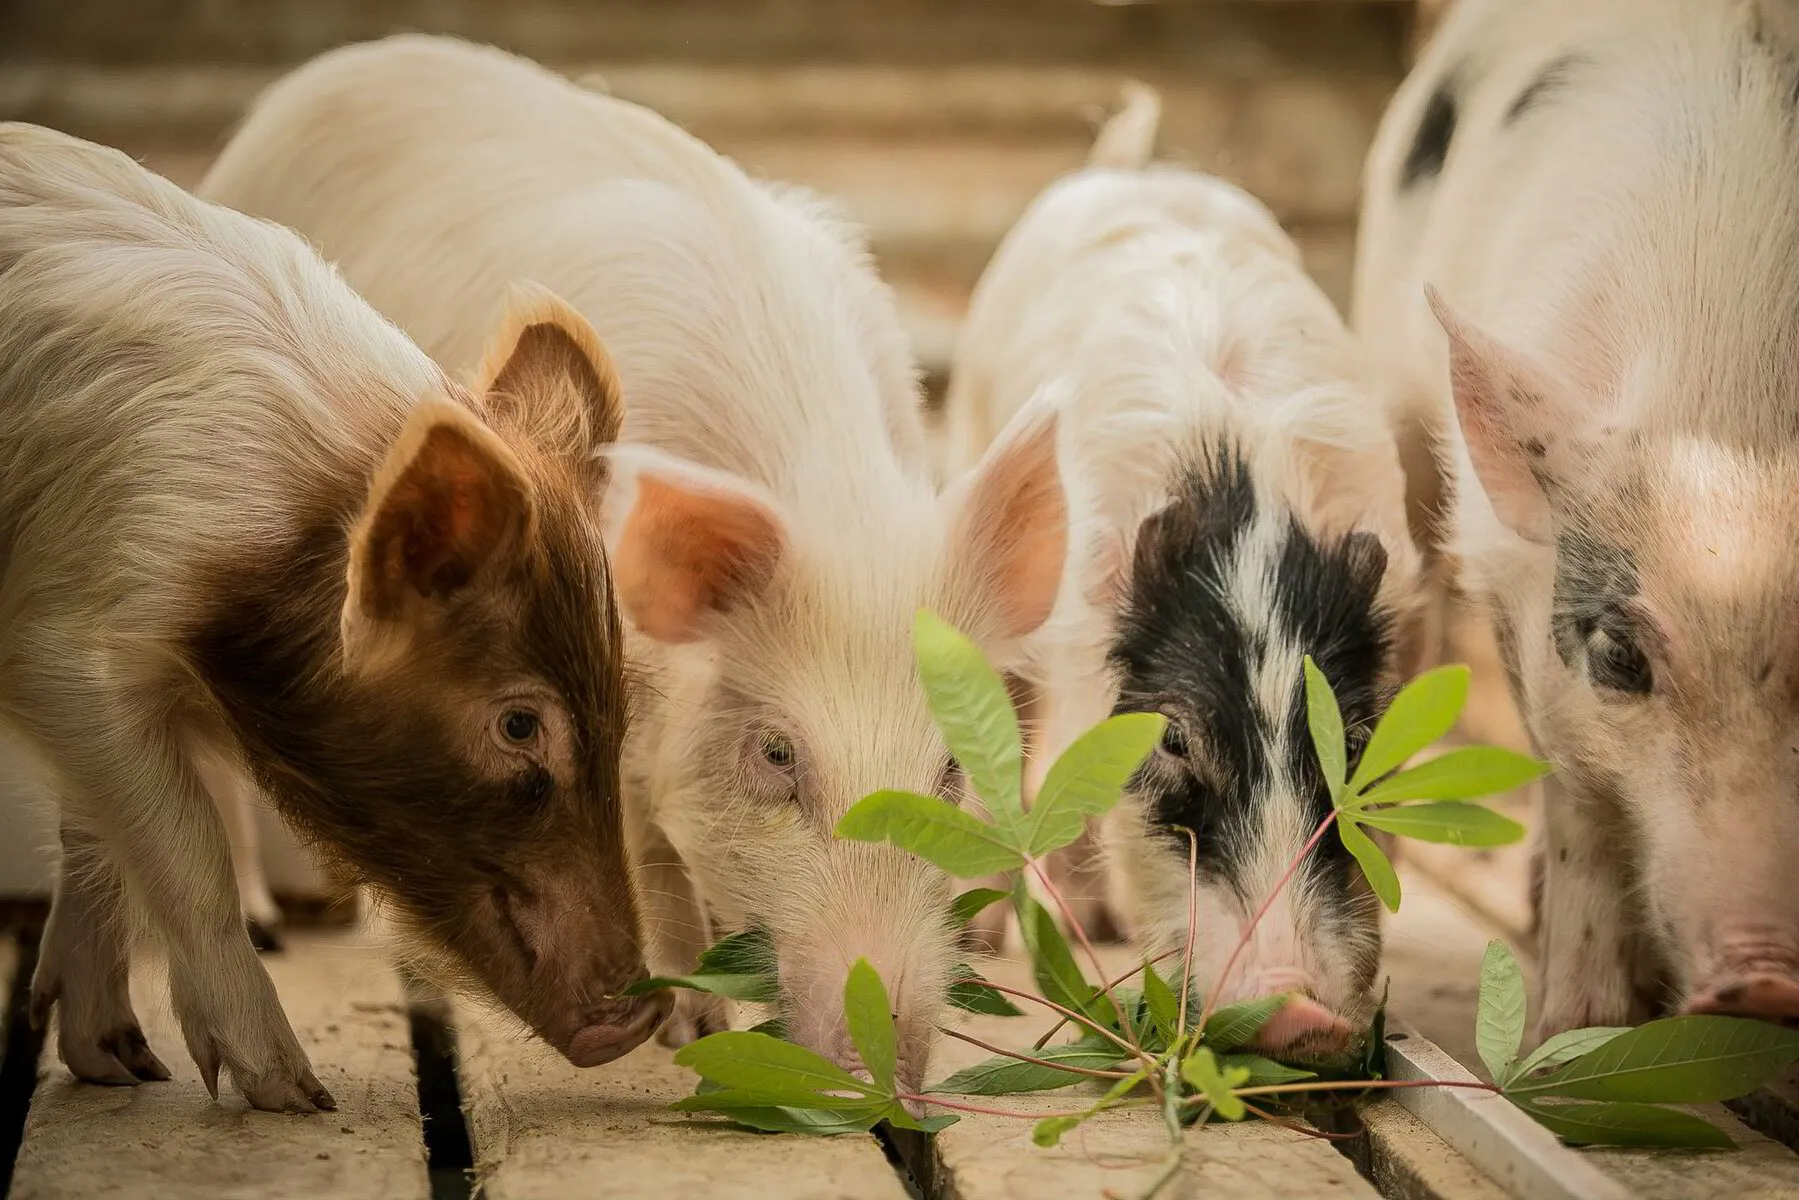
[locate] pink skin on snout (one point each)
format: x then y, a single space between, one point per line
1757 977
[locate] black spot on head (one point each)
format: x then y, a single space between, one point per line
1430 144
1589 615
1554 77
1184 649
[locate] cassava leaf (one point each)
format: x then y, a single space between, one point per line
938 832
1375 864
1052 963
1003 1075
968 905
772 1072
1629 1125
1455 822
1564 1047
1461 774
751 989
1325 720
1235 1024
774 1027
1164 1008
1201 1070
747 953
899 1118
743 1108
1263 1072
1424 711
1677 1060
975 713
971 993
870 1019
1088 778
1499 1022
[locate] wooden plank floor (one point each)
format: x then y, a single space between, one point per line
84 1142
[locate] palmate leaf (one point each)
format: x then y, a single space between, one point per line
938 832
1004 1076
1677 1060
1052 962
1454 822
1088 778
1461 774
1201 1069
751 989
1646 1125
1325 720
1499 1023
970 993
975 713
968 905
1262 1072
748 1108
1565 1047
870 1020
773 1073
1424 711
1235 1024
1375 864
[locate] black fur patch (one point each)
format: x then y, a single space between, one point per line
1592 580
1554 77
1184 650
1430 144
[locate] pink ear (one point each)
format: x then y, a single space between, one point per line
1013 524
1515 437
686 543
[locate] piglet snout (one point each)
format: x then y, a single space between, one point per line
613 1028
1765 995
1303 1028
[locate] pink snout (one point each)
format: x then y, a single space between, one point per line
1304 1028
1767 994
612 1029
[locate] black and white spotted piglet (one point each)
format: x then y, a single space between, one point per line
1240 505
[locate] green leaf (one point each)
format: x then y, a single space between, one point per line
1375 865
1164 1008
971 993
1325 720
899 1118
1678 1060
1003 1075
1629 1125
975 713
968 905
1088 778
742 1108
771 1071
1235 1024
1564 1047
938 832
1049 1131
774 1027
870 1019
1499 1023
747 953
1453 821
1052 963
1263 1072
1202 1071
1424 711
1463 774
752 989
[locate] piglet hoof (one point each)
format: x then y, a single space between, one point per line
118 1057
265 936
281 1090
696 1015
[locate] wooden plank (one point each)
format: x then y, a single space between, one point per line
170 1139
992 1158
541 1127
1406 1161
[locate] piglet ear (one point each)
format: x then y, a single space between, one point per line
547 374
686 543
1012 524
1515 440
448 507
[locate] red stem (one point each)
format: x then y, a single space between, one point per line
1358 1085
1249 930
1067 1014
1304 1129
1044 1040
1074 923
1041 1062
1180 1029
997 1112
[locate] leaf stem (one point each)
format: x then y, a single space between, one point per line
1044 1040
1249 929
1180 1027
1096 1072
1125 1024
987 1111
1301 1129
1067 1015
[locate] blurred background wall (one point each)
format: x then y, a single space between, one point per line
934 121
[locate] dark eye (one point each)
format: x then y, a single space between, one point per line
519 726
777 750
1615 661
1174 739
949 782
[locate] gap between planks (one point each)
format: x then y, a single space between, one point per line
85 1142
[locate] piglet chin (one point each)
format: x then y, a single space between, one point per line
1304 1028
612 1032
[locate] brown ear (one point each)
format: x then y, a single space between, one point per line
547 374
1517 440
448 504
1013 522
686 544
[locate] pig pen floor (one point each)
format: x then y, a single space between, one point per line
502 1117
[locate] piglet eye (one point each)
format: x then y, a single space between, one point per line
777 750
1174 739
1615 661
519 726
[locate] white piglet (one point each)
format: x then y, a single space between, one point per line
774 526
1237 504
1603 197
